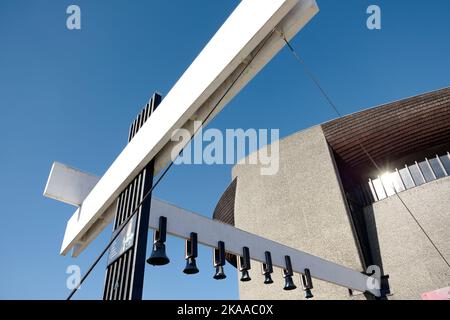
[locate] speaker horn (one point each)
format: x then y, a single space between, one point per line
191 251
244 264
287 275
307 284
267 268
158 256
219 261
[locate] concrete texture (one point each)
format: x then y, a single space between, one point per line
408 257
302 207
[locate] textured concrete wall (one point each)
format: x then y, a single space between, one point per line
411 261
302 207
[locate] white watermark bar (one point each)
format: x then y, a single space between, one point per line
181 223
228 148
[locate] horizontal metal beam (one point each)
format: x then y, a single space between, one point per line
181 223
69 184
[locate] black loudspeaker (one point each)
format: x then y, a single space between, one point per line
158 256
219 261
267 268
191 253
244 265
307 284
287 275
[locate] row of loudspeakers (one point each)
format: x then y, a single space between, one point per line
159 258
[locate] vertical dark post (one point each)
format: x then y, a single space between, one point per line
126 261
140 244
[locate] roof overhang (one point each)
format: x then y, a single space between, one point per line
391 133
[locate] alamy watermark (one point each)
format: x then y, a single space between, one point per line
212 146
374 280
74 278
73 21
374 20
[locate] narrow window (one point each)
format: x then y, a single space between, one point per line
426 171
437 168
388 184
381 194
445 160
372 189
407 179
416 175
397 181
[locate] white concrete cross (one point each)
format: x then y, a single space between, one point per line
191 99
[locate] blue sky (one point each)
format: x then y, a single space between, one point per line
70 96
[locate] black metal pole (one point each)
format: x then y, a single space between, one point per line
141 237
125 272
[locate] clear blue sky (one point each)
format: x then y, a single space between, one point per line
70 96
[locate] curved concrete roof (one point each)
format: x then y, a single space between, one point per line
391 131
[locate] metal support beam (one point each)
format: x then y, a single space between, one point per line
181 223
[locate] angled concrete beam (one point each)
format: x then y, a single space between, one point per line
192 98
181 223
